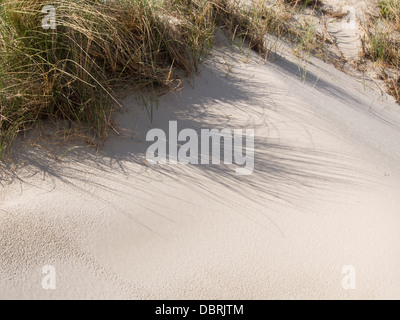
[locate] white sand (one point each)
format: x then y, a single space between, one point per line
324 194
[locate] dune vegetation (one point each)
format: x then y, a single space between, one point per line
385 43
72 72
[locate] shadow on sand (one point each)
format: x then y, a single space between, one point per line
286 171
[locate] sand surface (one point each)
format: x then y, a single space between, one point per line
324 194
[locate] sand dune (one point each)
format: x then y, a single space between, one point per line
324 194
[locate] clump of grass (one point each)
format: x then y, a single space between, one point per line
390 9
382 47
250 21
383 44
70 72
254 19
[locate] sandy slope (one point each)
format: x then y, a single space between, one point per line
324 194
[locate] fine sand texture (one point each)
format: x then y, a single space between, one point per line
324 194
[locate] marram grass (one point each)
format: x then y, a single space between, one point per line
70 72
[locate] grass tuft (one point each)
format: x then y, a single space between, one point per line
383 44
71 72
98 47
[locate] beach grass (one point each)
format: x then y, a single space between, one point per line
99 48
383 44
71 72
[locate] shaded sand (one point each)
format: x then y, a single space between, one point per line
324 194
